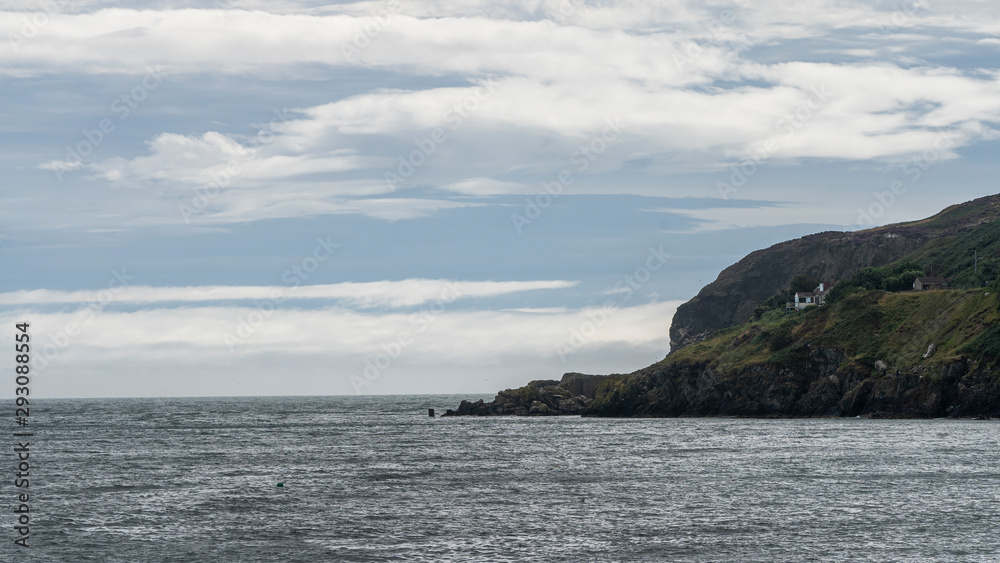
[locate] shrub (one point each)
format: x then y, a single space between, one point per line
773 302
781 337
773 315
802 283
895 277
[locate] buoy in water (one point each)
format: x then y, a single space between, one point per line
281 484
430 413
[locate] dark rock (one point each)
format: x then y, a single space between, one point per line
571 396
825 387
581 384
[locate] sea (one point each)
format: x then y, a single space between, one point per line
376 479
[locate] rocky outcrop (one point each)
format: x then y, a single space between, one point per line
572 395
829 256
824 386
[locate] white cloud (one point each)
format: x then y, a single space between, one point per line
204 160
679 76
812 110
184 351
275 204
403 293
457 37
487 186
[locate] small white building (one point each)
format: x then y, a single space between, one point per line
814 298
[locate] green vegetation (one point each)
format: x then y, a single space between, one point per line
867 325
954 257
800 283
874 315
967 260
986 346
894 277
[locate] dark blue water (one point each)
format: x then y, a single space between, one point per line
375 479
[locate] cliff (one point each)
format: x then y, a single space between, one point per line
868 352
875 354
871 354
933 243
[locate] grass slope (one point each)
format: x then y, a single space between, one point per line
896 328
954 257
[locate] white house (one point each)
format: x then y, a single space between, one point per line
814 298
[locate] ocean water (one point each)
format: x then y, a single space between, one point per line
375 479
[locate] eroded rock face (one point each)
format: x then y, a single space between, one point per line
571 396
825 384
821 388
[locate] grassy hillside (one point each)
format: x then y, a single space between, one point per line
943 245
954 218
860 356
896 328
954 257
957 234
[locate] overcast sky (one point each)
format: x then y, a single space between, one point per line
446 196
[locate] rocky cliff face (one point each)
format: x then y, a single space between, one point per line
822 388
572 395
873 354
829 256
827 385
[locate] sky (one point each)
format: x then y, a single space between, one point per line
432 196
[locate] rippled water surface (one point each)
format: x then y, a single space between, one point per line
375 479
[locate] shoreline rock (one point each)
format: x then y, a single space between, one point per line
827 386
570 396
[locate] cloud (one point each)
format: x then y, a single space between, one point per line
810 110
487 186
764 216
562 38
528 89
243 41
204 160
403 293
275 204
521 92
184 351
